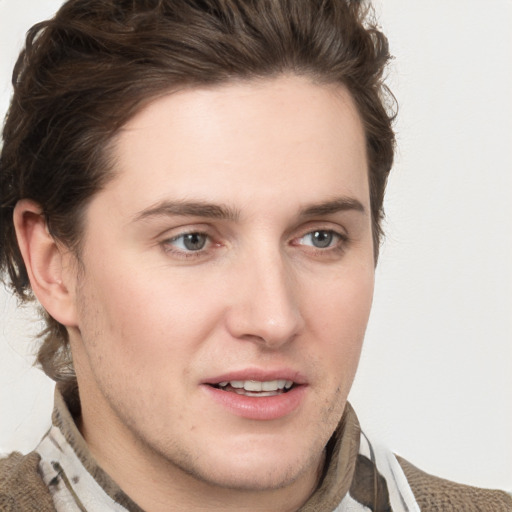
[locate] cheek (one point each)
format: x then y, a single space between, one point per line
146 317
344 301
339 315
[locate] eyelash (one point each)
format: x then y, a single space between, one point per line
183 253
340 241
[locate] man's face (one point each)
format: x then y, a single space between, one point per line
231 253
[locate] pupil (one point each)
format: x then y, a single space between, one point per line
322 239
194 241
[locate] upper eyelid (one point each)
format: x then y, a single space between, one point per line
170 239
171 249
165 235
212 232
186 229
208 242
185 233
321 226
334 231
343 238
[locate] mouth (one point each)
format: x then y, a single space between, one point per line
256 388
257 394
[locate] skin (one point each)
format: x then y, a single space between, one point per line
150 320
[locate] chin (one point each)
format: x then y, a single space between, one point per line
259 469
256 479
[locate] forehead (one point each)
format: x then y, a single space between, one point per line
243 141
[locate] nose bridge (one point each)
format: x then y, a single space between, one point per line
266 306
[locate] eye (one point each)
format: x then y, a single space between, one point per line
189 241
321 239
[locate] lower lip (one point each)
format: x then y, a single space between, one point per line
259 408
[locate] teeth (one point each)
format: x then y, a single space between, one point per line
271 385
254 385
259 394
257 386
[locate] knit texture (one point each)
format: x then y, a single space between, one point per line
21 486
435 494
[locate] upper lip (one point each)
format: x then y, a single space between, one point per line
258 374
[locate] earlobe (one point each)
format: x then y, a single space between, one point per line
46 262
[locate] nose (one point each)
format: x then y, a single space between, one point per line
265 306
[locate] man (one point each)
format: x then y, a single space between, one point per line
193 192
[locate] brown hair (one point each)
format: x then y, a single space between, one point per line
85 72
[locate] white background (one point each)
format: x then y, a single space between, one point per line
435 381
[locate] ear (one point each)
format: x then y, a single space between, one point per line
49 265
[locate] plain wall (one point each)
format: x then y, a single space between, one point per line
435 380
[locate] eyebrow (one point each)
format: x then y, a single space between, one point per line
334 206
189 209
223 212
